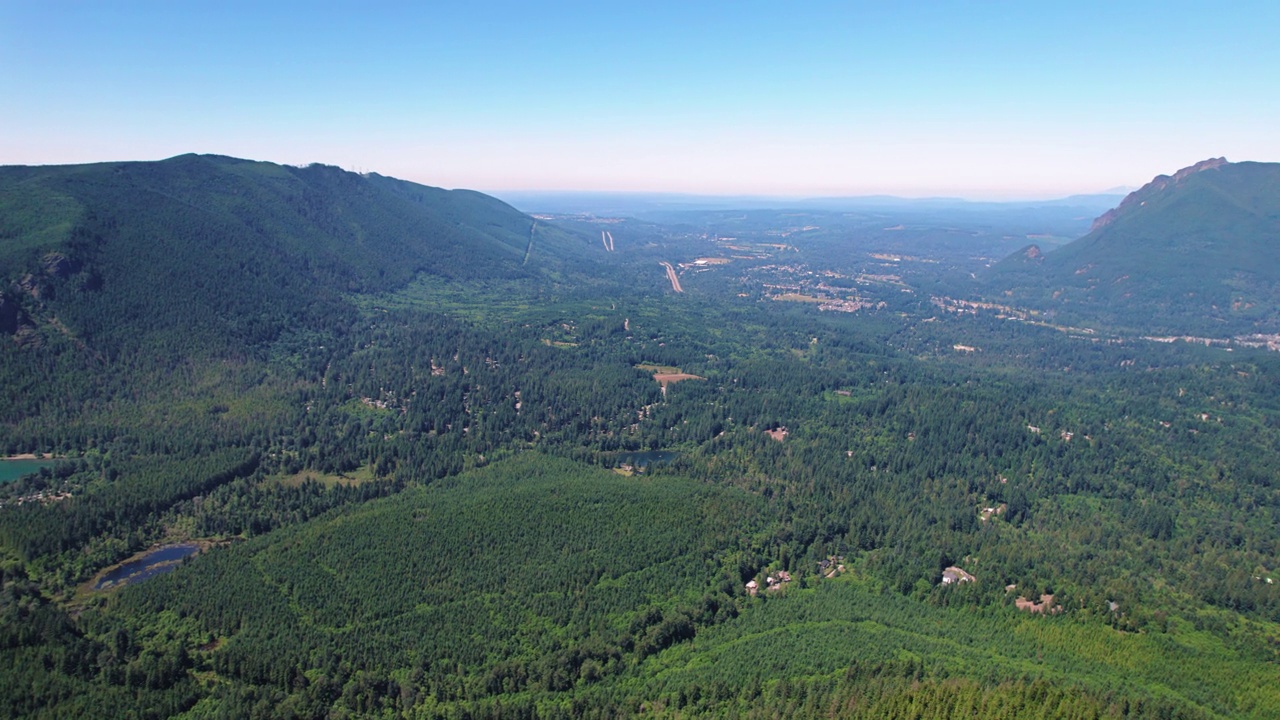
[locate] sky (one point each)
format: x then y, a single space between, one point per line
982 100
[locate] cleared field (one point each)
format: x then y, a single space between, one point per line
665 379
667 374
797 297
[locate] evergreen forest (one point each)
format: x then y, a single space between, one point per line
433 457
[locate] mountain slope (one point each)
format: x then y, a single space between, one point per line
233 252
1197 252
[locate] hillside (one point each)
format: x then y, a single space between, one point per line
1197 252
233 252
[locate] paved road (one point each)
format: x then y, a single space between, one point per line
671 275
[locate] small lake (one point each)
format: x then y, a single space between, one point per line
11 470
156 562
645 458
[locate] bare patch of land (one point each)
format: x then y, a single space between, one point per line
665 375
1044 606
666 378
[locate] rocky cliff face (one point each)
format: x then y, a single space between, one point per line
1139 197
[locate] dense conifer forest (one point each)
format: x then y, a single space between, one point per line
443 459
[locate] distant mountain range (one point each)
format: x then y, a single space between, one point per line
235 252
1195 252
647 205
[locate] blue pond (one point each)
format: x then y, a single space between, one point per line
13 469
156 562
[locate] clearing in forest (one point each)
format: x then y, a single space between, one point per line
666 374
665 378
358 476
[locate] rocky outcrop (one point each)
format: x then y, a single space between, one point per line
1210 164
1139 197
59 265
43 280
36 287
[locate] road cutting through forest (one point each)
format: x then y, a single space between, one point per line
671 275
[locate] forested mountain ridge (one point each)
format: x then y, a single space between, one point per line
1197 252
232 251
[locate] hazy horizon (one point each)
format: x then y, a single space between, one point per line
828 100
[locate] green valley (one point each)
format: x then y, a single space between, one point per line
401 422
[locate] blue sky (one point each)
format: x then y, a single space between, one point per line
970 99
